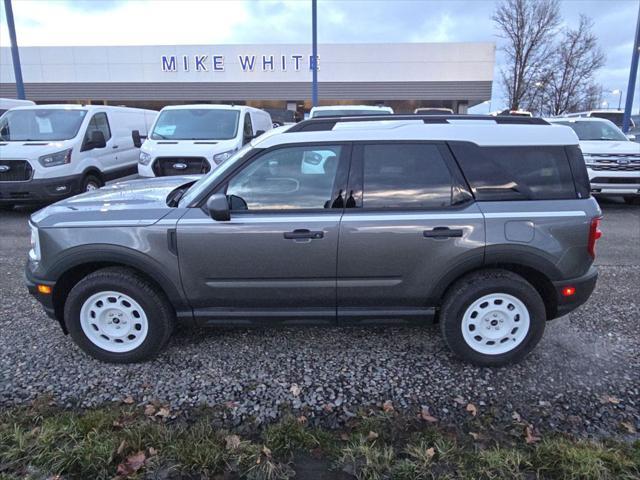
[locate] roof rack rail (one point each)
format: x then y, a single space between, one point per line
327 123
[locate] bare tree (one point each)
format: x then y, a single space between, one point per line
529 28
568 80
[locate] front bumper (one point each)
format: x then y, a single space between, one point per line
32 285
584 286
41 190
615 182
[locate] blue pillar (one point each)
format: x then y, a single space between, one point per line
632 78
15 56
314 53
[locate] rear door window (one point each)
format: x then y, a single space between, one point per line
516 173
405 176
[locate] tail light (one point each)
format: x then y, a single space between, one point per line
594 234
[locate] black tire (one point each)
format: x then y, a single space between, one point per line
157 309
472 287
632 199
90 182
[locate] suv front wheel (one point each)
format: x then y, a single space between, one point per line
492 318
115 315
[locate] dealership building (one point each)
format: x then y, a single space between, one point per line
402 75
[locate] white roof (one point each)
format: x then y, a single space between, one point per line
74 106
480 132
209 106
352 107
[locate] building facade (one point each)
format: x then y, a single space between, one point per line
403 75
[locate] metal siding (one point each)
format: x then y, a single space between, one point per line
472 90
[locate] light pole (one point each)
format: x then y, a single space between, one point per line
618 91
633 72
314 52
15 55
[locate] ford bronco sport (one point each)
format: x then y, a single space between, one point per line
483 224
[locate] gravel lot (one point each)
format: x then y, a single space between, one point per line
583 378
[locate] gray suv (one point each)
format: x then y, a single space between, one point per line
482 224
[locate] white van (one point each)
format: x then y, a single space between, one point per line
614 116
194 139
349 110
48 152
8 103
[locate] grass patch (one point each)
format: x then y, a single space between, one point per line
42 441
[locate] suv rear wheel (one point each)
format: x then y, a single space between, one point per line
492 318
116 315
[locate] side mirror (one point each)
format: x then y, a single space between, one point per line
137 141
96 140
258 133
218 207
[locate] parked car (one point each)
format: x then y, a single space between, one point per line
49 152
8 103
512 113
485 226
348 110
433 111
634 129
194 139
614 116
613 161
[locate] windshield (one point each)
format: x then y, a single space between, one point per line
41 124
615 117
196 124
202 184
347 113
596 131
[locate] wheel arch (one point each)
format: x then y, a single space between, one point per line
81 261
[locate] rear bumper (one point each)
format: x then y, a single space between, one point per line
584 287
40 190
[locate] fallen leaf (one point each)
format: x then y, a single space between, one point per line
302 419
152 452
295 390
328 407
629 427
516 416
128 400
471 408
372 435
474 435
120 449
344 437
388 406
131 465
431 452
529 437
163 412
426 416
266 452
609 399
232 441
149 410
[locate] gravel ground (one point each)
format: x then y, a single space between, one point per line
583 378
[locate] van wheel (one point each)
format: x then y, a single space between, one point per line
117 316
632 199
91 182
492 318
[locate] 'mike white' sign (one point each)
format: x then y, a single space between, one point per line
246 63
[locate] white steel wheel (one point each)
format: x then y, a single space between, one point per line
495 324
91 187
114 321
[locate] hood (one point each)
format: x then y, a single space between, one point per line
129 203
31 150
600 146
188 148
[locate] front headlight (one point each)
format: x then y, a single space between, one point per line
34 253
224 156
144 158
55 159
589 160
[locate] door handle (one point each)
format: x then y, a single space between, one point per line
115 146
302 234
443 232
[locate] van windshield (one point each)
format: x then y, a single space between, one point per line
50 124
597 130
196 124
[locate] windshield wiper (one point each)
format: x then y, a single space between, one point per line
162 137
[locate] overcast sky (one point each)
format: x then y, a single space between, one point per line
166 22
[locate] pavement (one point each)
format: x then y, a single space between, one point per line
583 378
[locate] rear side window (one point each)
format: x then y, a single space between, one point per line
516 173
579 170
405 176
